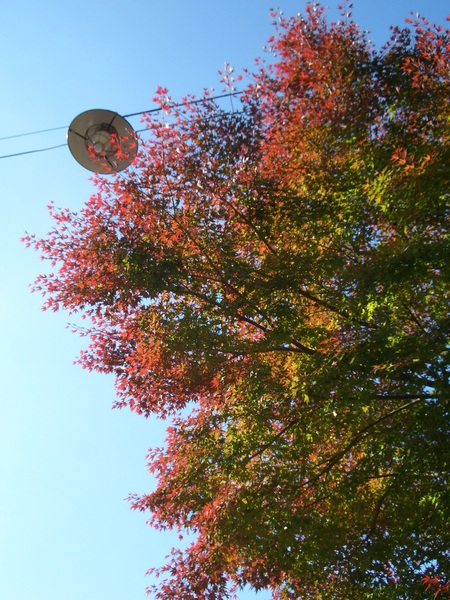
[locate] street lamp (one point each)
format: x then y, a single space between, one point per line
102 141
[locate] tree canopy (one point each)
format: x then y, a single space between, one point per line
274 281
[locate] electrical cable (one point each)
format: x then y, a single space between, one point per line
142 112
17 135
33 151
198 101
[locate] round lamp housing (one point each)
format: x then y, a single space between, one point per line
102 141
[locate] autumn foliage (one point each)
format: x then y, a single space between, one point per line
274 281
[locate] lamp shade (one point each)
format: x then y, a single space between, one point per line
102 141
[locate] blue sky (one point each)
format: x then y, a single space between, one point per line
67 461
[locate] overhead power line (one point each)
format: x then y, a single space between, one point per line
10 137
142 112
33 151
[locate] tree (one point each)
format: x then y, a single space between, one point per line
273 281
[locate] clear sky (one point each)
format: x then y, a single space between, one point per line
67 461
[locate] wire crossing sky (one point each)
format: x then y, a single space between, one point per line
135 114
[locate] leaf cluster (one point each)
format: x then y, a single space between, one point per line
275 281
